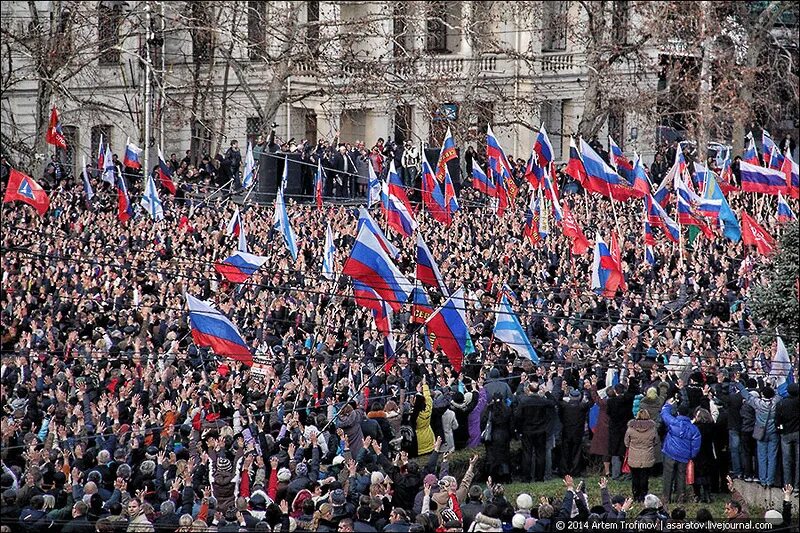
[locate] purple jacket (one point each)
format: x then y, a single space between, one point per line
474 420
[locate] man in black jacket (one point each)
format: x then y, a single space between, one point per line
531 415
787 420
574 412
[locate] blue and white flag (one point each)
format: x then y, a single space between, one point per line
150 200
781 370
249 173
373 187
281 219
328 255
508 329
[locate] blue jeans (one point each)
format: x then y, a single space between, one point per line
767 451
789 448
733 445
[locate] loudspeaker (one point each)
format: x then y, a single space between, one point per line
270 173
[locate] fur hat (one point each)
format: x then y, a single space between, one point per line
284 474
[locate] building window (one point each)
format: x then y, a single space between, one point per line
552 118
402 123
109 21
201 140
437 28
67 156
255 127
400 30
64 30
554 26
616 122
620 20
311 127
256 35
202 36
312 31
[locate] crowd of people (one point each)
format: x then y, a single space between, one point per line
114 420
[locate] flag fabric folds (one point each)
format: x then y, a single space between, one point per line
421 308
432 195
450 199
543 149
319 183
249 173
754 235
446 154
658 217
427 270
55 135
365 296
606 276
373 186
234 224
328 255
240 266
369 264
785 213
150 200
24 189
109 169
726 217
448 329
165 174
396 206
281 218
509 330
213 329
133 155
750 154
601 178
575 167
481 181
763 180
692 209
640 181
570 228
87 185
619 162
769 151
791 171
781 370
531 229
365 219
124 207
101 155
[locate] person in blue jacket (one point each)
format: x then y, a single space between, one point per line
681 444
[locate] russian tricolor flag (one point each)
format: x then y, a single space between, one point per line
369 264
641 183
497 156
365 296
770 152
619 162
750 155
396 206
792 173
432 196
213 329
125 209
785 213
450 199
756 178
364 219
575 168
543 148
481 182
446 154
133 155
165 174
427 270
659 217
240 266
449 326
606 276
601 178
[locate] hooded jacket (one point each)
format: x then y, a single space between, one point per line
642 441
683 439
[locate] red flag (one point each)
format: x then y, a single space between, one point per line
754 235
616 253
570 228
54 134
24 189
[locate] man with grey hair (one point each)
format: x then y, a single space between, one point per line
167 521
653 511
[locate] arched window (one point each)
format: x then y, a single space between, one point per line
109 21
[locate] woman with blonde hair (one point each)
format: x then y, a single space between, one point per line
643 443
323 519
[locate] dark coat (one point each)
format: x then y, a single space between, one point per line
532 413
620 411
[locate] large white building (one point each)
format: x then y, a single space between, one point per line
360 69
